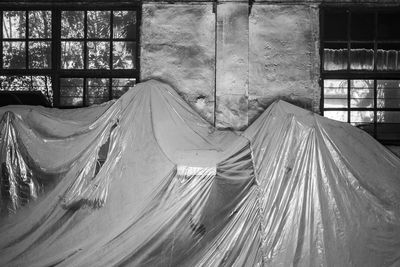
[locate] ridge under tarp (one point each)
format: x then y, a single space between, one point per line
145 181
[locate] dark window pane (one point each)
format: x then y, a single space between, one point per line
121 85
337 115
39 24
388 116
98 90
14 24
39 55
335 25
71 91
388 131
14 56
98 55
365 126
98 23
28 83
362 26
335 93
387 57
335 57
72 24
362 93
388 93
72 55
362 57
388 26
124 23
123 55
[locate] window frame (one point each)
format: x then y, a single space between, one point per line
352 74
56 72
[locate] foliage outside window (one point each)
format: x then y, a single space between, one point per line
75 57
361 69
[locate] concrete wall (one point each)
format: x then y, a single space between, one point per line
268 54
284 56
178 46
230 63
232 79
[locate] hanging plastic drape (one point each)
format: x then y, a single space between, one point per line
145 181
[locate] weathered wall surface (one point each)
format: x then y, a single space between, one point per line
284 56
178 46
232 65
269 54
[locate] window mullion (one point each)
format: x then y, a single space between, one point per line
348 63
348 100
26 40
85 60
375 69
1 41
56 55
111 52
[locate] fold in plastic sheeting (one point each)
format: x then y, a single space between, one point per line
144 181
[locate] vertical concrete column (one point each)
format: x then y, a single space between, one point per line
232 54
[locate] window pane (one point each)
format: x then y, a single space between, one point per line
362 57
123 55
337 115
362 117
388 93
335 57
388 131
72 24
120 86
98 89
39 55
124 23
387 57
98 24
362 26
335 25
387 26
98 55
14 24
14 56
72 55
362 93
388 116
39 24
335 94
28 83
71 91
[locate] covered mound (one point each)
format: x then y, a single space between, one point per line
145 181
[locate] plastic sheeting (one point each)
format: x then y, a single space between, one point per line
144 181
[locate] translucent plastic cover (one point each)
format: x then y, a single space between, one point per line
145 181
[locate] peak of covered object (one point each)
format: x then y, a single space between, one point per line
145 181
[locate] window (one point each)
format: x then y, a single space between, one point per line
360 69
75 56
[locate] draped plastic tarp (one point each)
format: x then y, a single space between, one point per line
144 181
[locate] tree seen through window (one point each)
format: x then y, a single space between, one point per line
74 57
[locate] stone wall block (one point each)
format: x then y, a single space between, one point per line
232 65
178 47
284 58
231 112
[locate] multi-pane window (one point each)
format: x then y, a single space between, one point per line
361 69
75 57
